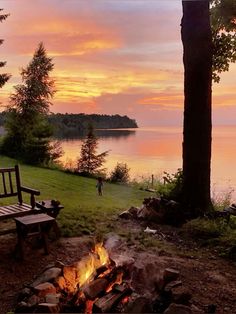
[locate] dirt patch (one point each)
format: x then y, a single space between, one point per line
210 279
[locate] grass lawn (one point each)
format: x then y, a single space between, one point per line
85 211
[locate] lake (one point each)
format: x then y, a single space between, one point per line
153 150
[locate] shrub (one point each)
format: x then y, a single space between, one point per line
172 186
120 173
203 228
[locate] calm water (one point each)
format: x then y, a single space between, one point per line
154 150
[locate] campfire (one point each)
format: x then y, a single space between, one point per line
92 285
97 283
102 284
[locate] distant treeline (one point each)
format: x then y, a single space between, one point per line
72 124
69 125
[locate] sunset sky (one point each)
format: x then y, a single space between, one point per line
111 57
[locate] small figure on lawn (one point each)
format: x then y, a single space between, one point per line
99 186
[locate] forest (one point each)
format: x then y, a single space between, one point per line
66 125
69 124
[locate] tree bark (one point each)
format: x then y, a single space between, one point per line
197 59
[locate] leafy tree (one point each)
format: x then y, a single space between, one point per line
223 25
120 173
207 47
197 43
3 77
89 162
28 130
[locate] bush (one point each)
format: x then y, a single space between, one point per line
172 186
120 173
203 228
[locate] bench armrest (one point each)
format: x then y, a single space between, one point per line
29 190
32 193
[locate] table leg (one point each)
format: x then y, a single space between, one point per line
45 242
56 229
20 242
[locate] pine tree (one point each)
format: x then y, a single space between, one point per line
89 162
28 130
3 77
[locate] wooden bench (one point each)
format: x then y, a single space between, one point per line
10 186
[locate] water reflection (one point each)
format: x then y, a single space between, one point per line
115 134
154 150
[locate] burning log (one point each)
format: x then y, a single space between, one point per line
110 300
101 270
95 288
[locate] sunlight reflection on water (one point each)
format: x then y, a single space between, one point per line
153 150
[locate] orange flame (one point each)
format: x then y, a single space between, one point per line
86 268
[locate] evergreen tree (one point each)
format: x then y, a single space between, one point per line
28 130
3 77
89 162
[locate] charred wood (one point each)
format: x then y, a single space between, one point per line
110 300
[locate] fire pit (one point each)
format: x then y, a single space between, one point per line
100 284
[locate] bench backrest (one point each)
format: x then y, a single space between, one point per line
10 183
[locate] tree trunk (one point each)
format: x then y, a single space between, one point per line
197 58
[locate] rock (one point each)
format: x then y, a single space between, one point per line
173 284
53 298
159 282
44 288
59 264
195 309
49 275
33 300
139 305
47 308
50 265
21 306
178 309
170 275
25 293
126 215
181 295
123 261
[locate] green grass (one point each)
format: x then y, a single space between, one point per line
84 212
216 233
